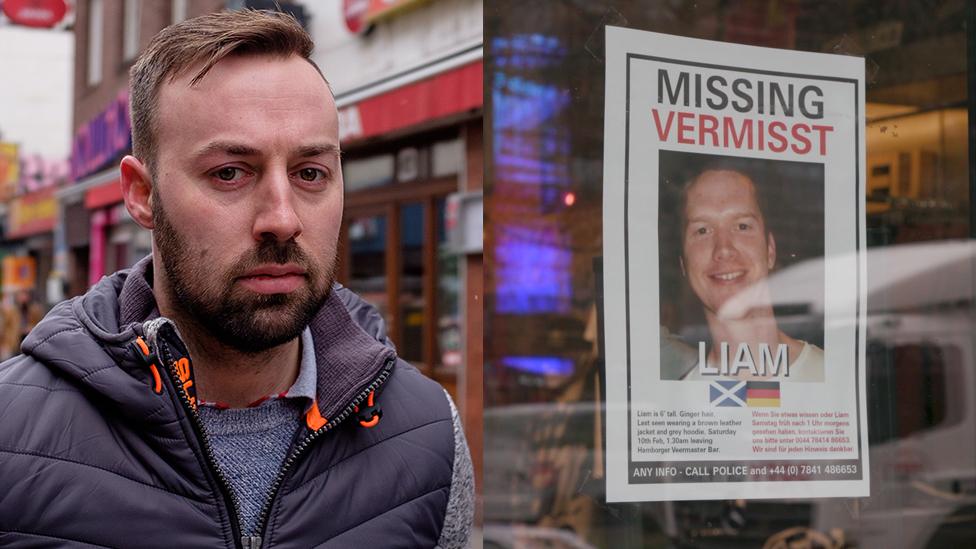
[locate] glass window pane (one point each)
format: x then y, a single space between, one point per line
447 157
366 236
545 470
364 173
411 325
450 354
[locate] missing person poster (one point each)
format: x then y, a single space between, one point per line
734 278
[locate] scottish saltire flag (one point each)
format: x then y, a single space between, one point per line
727 393
762 394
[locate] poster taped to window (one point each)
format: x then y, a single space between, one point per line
733 200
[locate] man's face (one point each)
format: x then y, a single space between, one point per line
726 246
247 198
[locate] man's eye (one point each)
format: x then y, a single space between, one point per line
228 174
701 231
744 226
311 175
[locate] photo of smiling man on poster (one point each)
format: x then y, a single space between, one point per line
728 250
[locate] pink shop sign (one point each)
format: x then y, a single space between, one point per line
101 139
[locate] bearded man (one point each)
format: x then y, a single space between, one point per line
225 391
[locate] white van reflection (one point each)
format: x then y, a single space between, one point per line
921 390
921 330
541 467
519 536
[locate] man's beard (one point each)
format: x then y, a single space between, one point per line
238 318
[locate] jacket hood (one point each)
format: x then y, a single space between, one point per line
91 340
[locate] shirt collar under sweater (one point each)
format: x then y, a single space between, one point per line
304 386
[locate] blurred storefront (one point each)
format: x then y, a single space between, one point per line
94 235
407 78
30 214
30 221
544 386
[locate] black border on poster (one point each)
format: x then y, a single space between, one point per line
971 109
861 473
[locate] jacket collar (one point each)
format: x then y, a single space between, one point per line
347 358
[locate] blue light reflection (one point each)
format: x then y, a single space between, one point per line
541 365
530 154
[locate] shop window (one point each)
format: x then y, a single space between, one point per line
446 157
365 173
410 165
449 325
545 399
130 30
411 298
399 190
414 282
96 37
366 238
177 11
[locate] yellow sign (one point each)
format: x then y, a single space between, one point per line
19 273
9 170
32 214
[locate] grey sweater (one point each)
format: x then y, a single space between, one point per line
251 444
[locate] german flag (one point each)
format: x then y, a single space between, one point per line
762 394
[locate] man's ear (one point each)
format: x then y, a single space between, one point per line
136 190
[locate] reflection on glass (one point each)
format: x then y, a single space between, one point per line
543 419
529 252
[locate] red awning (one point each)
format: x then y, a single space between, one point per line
452 92
105 194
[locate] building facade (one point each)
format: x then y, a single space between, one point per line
95 235
407 78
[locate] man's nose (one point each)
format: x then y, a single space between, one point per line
276 217
724 246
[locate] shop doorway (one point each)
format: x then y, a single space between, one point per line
392 253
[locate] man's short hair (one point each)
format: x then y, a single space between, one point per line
204 41
744 167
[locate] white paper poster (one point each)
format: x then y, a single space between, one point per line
733 271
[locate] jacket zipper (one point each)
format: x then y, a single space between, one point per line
303 445
251 542
246 542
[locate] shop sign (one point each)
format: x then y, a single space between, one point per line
731 372
35 13
19 273
360 14
381 9
38 172
9 170
350 123
354 13
103 195
445 94
101 139
32 214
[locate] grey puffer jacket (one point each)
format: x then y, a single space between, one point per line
101 446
